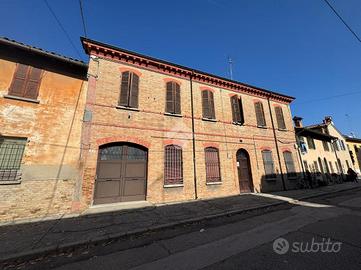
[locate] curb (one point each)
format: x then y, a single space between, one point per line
28 255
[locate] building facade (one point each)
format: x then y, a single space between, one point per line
354 148
161 132
322 149
42 99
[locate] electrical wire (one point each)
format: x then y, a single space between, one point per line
62 28
82 16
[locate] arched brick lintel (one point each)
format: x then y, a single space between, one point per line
123 69
129 139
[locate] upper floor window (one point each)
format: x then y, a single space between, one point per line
213 173
237 110
342 144
173 165
26 82
290 166
336 145
129 90
208 104
311 143
280 118
268 164
261 120
325 146
173 99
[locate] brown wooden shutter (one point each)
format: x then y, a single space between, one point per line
17 87
33 83
212 114
280 118
205 104
169 106
177 99
134 91
124 89
259 114
241 121
236 115
268 164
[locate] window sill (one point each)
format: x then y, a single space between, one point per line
237 123
127 108
11 182
209 119
22 99
264 127
173 186
213 183
274 179
282 129
173 114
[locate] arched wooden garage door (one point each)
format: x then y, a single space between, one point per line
121 173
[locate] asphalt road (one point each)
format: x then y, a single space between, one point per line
322 233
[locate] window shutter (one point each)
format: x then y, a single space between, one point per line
205 104
19 80
236 114
177 99
33 83
169 98
290 166
241 121
213 173
134 91
280 118
211 105
124 89
173 165
260 114
268 164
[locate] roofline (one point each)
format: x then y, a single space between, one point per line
300 130
14 43
86 41
350 139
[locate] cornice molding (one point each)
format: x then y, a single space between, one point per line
144 62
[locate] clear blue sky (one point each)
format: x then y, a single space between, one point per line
299 48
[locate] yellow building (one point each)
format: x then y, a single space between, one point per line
354 148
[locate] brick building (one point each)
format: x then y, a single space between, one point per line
162 132
42 98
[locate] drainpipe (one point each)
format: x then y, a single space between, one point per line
193 138
276 142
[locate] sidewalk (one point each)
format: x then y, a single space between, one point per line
29 239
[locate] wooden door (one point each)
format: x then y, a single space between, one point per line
244 171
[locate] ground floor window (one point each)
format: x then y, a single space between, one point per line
290 166
268 164
213 173
173 165
11 154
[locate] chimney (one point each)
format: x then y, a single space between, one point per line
328 120
297 121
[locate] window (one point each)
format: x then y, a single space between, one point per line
25 82
173 165
11 154
342 144
337 168
129 90
311 143
280 118
331 167
316 166
337 145
290 166
261 121
348 164
208 104
268 164
237 110
305 165
325 165
173 99
320 165
325 146
356 149
213 173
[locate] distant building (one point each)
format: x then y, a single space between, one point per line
354 147
322 148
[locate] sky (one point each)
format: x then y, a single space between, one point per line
298 48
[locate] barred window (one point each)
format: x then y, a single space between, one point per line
280 118
237 110
290 166
129 90
268 164
208 104
11 154
173 99
173 165
213 173
258 107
